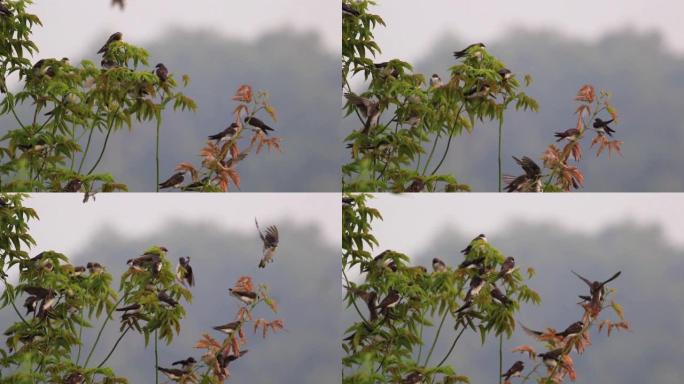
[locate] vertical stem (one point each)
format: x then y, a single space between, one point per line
499 159
87 148
156 358
500 355
434 342
157 154
99 334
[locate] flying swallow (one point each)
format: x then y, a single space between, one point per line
369 110
94 268
507 267
552 358
347 10
270 240
571 134
223 361
4 11
117 36
187 364
477 53
480 237
162 72
75 378
435 81
438 265
505 73
172 373
246 297
227 134
184 271
530 181
73 186
257 123
175 181
165 298
597 289
390 301
476 284
499 297
229 328
603 127
413 378
515 370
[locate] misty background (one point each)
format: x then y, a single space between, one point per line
224 245
290 49
632 48
554 241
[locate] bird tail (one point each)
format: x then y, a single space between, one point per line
559 135
262 263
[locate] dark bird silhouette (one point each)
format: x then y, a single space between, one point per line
507 267
476 285
551 358
478 91
187 364
597 289
229 328
390 301
184 271
246 297
529 182
75 378
256 123
480 237
413 378
73 186
133 308
94 268
223 361
571 134
270 241
499 297
173 373
347 10
369 110
227 134
165 298
436 81
572 330
603 127
175 181
472 263
505 73
4 11
466 50
162 72
515 370
117 36
438 265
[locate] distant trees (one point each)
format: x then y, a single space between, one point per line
397 304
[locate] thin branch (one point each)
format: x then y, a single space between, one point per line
114 347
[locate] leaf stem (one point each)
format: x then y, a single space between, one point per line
99 333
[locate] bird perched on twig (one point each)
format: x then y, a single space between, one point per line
184 271
116 36
247 297
515 370
187 364
258 124
529 182
229 328
571 134
480 239
572 330
369 110
597 290
438 265
227 134
602 126
162 72
347 10
4 11
477 52
175 181
270 241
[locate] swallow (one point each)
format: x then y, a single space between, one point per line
390 301
108 63
477 53
3 203
505 74
187 364
603 127
476 285
515 370
530 181
31 304
256 123
73 186
246 297
478 91
117 36
413 378
347 10
165 298
481 237
499 297
572 330
172 373
507 267
147 259
120 3
75 378
438 265
346 202
597 289
552 358
386 70
4 11
162 72
133 308
270 241
175 181
79 270
94 268
184 271
571 134
369 110
229 328
435 81
473 263
223 361
226 135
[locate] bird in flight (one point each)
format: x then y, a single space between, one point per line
270 241
530 181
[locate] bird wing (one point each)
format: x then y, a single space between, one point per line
615 276
582 278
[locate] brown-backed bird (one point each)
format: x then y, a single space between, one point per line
175 181
257 123
117 36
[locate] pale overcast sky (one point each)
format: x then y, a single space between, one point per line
71 25
412 221
412 26
66 224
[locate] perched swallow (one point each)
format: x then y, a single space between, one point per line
246 297
473 263
597 289
229 328
120 3
347 10
477 53
476 285
603 127
552 358
79 270
31 304
187 364
438 265
148 259
390 301
227 134
117 36
165 298
515 370
369 110
4 11
507 267
270 240
174 181
436 81
505 73
386 69
480 237
172 373
572 330
162 72
256 123
75 378
530 181
73 186
184 271
499 297
346 202
413 378
133 308
478 91
94 268
571 134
